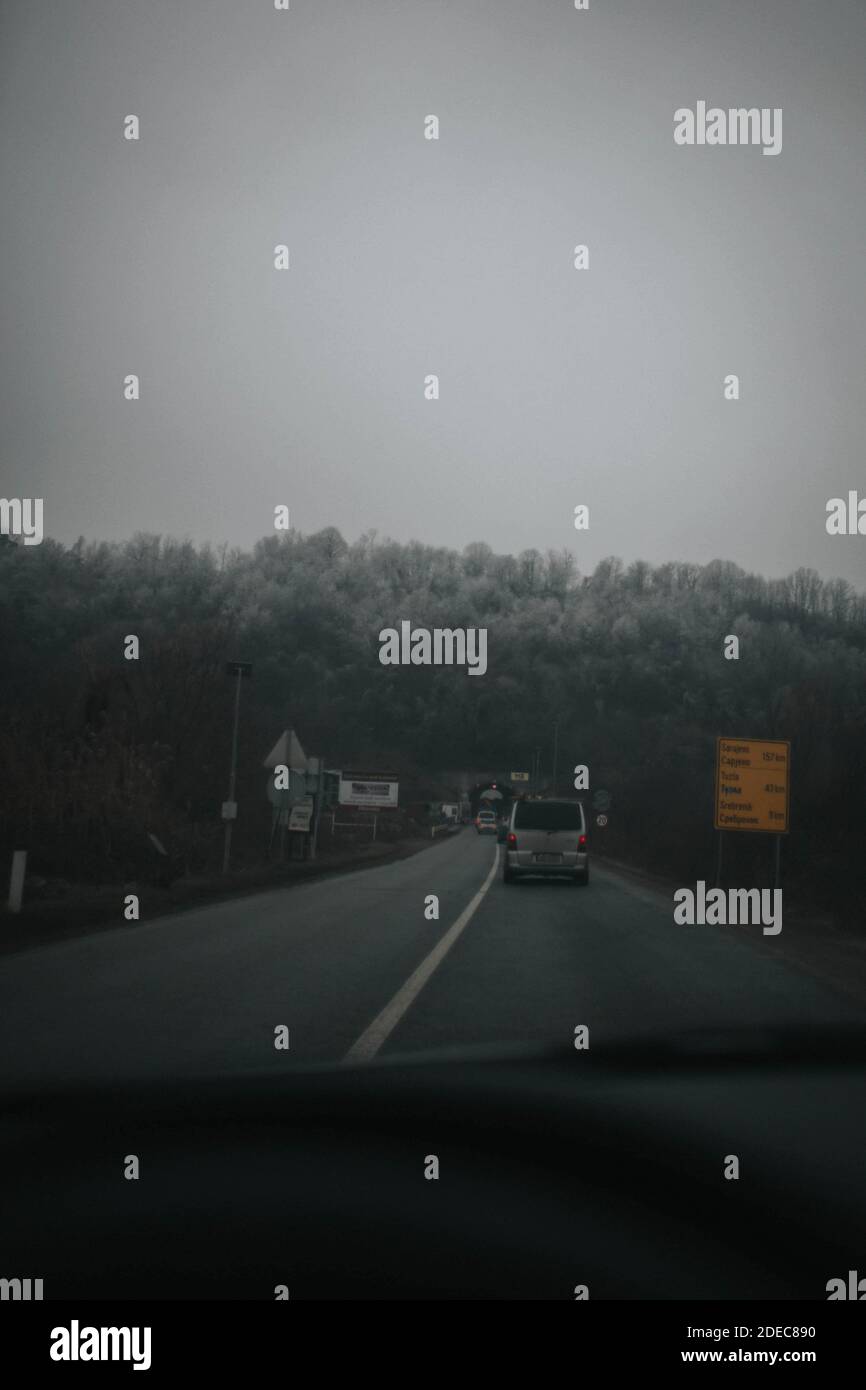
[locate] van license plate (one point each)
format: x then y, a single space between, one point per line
548 858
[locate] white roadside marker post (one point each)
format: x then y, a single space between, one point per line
16 881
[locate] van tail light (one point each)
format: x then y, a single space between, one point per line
581 844
512 840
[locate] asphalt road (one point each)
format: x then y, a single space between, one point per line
351 965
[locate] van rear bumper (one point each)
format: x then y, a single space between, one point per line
524 862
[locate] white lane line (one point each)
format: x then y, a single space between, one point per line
372 1038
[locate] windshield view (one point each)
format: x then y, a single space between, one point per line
433 669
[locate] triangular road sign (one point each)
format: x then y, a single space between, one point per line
287 752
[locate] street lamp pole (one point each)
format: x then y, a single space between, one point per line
555 751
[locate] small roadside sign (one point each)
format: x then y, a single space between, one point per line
230 810
519 777
601 800
300 816
601 821
752 784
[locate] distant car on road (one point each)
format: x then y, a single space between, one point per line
548 838
485 823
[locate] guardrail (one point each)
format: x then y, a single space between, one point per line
447 825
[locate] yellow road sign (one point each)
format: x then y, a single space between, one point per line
752 784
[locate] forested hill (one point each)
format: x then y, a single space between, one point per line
629 661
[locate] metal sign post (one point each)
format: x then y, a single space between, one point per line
320 791
239 669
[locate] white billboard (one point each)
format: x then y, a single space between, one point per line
377 790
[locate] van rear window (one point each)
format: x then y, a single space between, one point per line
548 815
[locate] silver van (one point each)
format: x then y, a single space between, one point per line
547 837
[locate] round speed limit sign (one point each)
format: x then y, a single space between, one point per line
601 821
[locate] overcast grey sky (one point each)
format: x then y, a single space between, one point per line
453 257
